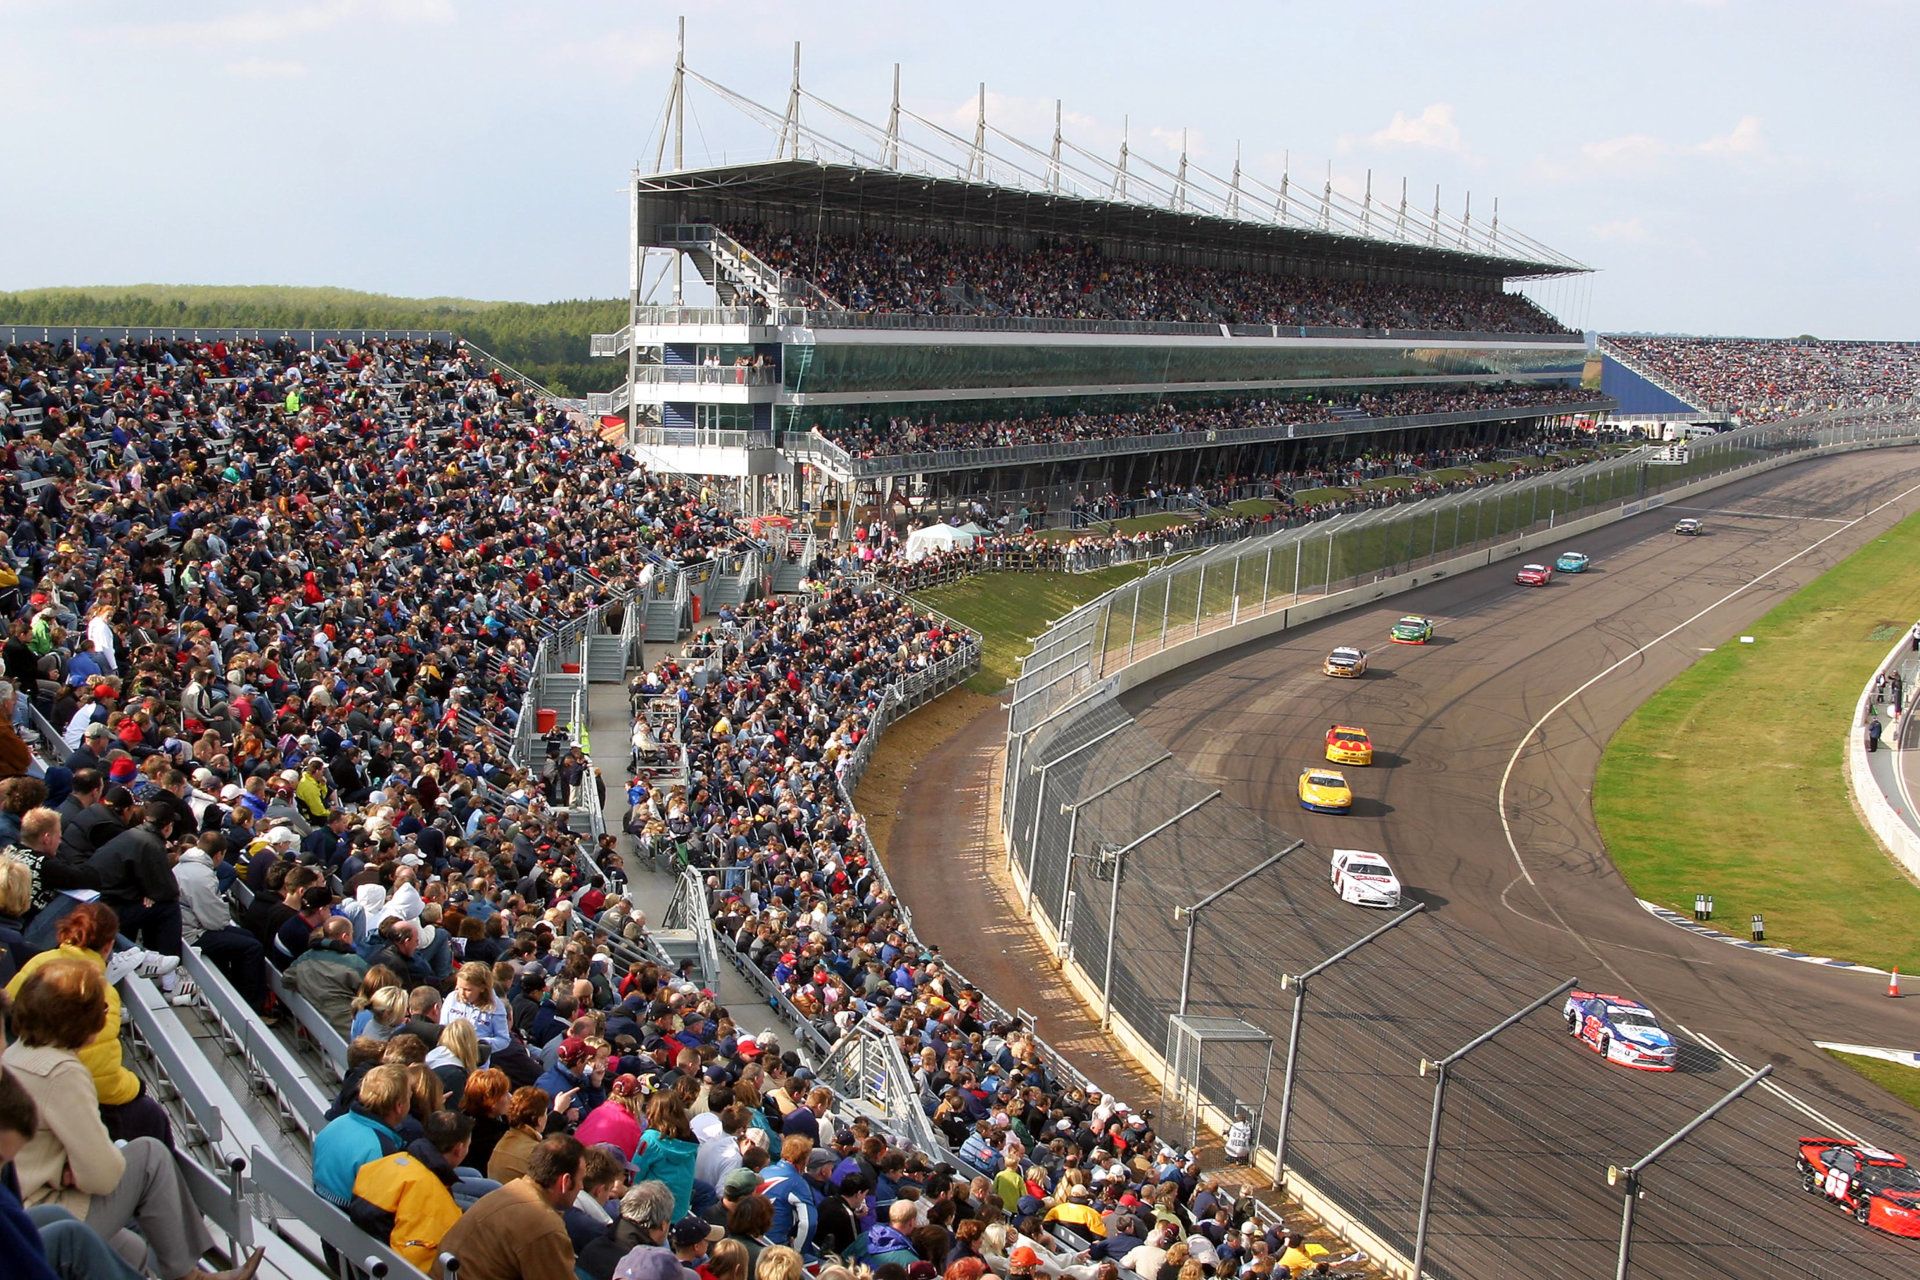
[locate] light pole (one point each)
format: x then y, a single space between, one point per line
1073 827
1192 914
1628 1179
1439 1100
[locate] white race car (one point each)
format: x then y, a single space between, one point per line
1364 879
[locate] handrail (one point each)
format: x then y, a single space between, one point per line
1008 455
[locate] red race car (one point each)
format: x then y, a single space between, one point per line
1880 1189
1533 575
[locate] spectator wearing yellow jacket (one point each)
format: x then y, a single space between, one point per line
311 791
405 1199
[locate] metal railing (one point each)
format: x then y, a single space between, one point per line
710 375
1010 455
866 1064
688 910
806 318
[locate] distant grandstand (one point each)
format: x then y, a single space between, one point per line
1014 324
1754 380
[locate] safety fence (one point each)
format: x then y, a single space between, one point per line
1404 1075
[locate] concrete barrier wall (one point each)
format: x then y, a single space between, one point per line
1895 836
1155 665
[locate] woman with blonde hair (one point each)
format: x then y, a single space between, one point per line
456 1057
70 1161
777 1262
385 1012
87 934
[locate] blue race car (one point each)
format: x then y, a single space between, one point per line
1620 1030
1571 562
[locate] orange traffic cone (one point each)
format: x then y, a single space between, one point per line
1893 985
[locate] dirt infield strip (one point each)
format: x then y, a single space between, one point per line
943 851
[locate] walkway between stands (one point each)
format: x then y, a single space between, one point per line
610 730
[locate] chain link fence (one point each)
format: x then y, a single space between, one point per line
1108 835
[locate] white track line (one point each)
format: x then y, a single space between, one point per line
1791 1100
1506 775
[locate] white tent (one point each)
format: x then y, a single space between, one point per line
922 543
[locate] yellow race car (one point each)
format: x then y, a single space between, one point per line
1325 791
1349 744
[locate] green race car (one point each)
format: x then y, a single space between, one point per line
1412 629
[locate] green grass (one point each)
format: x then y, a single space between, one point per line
1902 1082
1009 609
1253 507
1729 780
1314 497
1389 482
1132 524
1447 475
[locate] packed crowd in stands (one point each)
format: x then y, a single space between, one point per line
870 437
1765 379
271 611
875 271
1017 538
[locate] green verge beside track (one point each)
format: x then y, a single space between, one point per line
1902 1082
1009 609
1730 781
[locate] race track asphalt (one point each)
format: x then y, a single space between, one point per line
1532 1121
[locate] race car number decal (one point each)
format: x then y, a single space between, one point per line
1836 1184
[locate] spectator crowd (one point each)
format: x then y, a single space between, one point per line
875 271
271 614
1765 379
872 437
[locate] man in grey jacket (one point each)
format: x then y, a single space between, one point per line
206 921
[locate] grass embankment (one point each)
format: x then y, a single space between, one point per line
1009 609
1729 780
1902 1082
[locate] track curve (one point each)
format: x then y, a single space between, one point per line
1507 703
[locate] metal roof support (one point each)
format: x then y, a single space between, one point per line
1400 223
1366 207
1180 179
1120 170
1053 156
891 149
1286 175
791 126
1233 190
1493 237
977 162
1466 221
1326 199
1433 229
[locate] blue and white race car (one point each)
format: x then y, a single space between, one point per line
1620 1030
1571 562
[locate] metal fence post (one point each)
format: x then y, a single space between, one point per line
1266 581
1133 631
1439 1099
1199 599
1329 586
1299 984
1628 1179
1192 915
1166 608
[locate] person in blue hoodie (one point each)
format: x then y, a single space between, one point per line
369 1131
667 1150
886 1242
576 1069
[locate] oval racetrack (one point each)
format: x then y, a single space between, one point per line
1481 800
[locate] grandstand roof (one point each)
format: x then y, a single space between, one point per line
915 171
770 188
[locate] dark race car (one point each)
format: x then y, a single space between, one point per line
1879 1188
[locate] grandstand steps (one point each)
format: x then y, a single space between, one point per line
606 660
664 619
788 577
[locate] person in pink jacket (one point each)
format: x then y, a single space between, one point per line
619 1121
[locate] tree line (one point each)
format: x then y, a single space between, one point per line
547 341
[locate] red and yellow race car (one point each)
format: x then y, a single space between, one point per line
1879 1188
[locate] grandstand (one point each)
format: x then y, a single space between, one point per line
1756 380
1021 326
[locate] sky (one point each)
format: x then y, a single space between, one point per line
1728 166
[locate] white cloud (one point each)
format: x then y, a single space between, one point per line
266 69
275 24
1642 152
1623 231
1433 129
622 55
